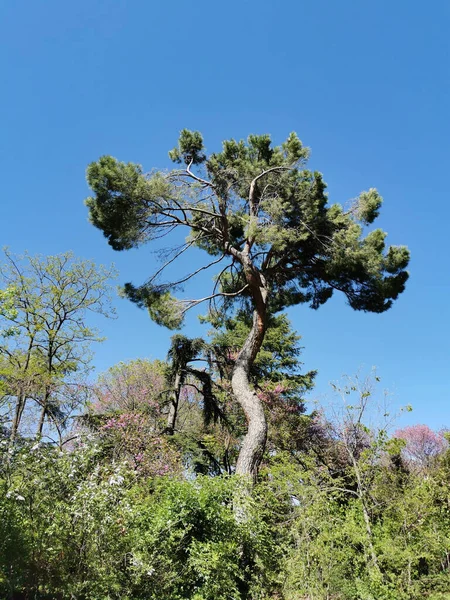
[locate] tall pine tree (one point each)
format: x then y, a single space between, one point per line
264 221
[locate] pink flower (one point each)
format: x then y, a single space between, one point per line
422 444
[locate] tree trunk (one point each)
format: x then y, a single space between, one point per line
40 426
366 517
20 405
44 405
173 408
254 442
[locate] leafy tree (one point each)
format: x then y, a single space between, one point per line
44 307
129 415
133 386
181 353
422 445
263 217
211 427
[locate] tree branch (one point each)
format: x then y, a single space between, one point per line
251 196
192 303
184 279
185 247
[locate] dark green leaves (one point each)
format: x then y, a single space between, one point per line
119 202
258 197
162 307
127 205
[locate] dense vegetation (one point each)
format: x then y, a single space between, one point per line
125 511
203 476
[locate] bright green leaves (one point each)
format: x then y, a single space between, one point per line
8 311
162 307
368 206
190 148
294 151
44 326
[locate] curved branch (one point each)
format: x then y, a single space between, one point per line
251 195
195 177
192 303
184 279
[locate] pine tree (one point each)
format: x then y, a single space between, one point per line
264 220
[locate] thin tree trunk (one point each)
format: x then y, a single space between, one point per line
44 409
366 517
20 405
40 426
173 408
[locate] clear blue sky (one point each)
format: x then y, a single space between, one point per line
365 84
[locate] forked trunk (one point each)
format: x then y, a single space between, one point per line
254 442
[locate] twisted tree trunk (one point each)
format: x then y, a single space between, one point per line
254 442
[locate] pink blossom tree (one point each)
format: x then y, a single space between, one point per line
130 405
422 445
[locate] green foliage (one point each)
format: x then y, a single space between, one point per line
80 527
162 307
190 148
191 531
76 524
368 206
62 512
278 360
181 352
121 201
45 334
257 199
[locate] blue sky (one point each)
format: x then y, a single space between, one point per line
365 84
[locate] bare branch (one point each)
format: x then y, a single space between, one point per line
214 262
185 247
251 196
192 303
199 179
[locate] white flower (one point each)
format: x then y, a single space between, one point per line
19 497
118 480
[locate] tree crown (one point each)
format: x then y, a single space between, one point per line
253 207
